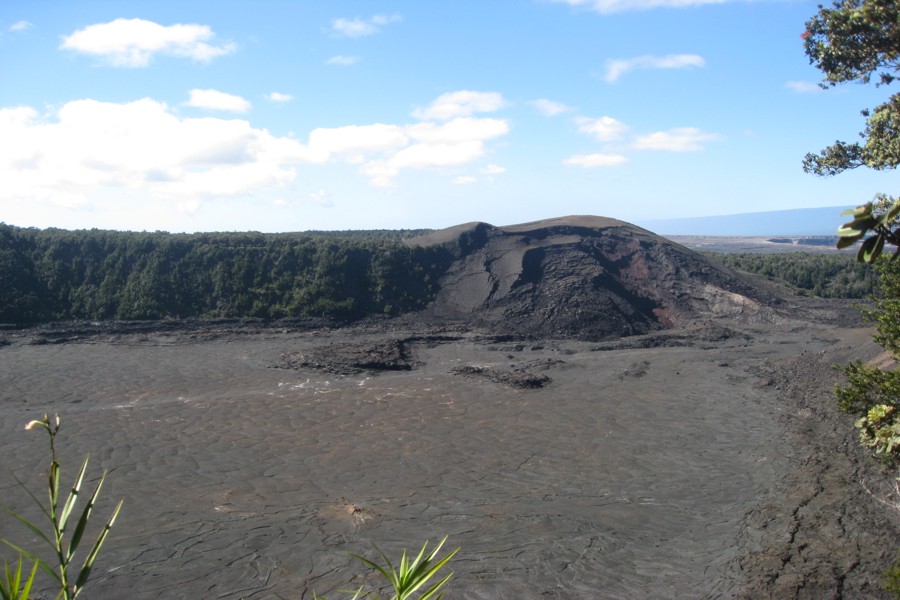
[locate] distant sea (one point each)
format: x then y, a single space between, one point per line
793 222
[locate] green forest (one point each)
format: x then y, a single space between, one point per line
52 274
59 275
826 275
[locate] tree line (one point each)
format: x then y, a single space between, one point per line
53 274
836 275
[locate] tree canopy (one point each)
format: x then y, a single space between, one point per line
54 274
857 40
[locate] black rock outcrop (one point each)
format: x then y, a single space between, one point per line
585 277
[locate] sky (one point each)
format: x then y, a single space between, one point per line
278 115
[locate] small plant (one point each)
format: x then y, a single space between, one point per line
409 576
880 431
12 586
64 546
892 578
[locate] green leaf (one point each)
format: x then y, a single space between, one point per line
82 521
73 496
89 561
870 249
891 214
43 565
847 241
859 211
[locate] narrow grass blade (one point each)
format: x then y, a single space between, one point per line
430 592
34 529
89 561
37 561
32 496
73 496
85 515
14 587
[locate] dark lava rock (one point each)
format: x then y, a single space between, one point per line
584 277
348 359
520 379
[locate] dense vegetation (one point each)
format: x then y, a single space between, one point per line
825 275
856 41
59 275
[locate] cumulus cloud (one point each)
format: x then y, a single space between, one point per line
615 6
803 87
134 42
464 180
603 129
342 61
462 103
383 151
680 139
493 170
357 27
354 142
20 26
549 108
89 148
617 67
216 100
279 98
595 160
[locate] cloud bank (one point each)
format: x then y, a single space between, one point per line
89 148
134 42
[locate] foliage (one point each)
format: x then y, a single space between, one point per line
69 581
12 586
892 578
871 393
53 274
878 218
832 275
857 40
409 576
854 41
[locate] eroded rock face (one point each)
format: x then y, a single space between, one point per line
584 277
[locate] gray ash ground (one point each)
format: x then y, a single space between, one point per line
706 461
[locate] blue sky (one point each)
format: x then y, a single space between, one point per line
298 115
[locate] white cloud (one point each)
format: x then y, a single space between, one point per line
362 27
464 180
680 139
603 129
462 103
216 100
456 142
595 160
353 142
90 149
803 87
279 97
342 61
617 67
134 42
20 26
493 170
549 108
615 6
